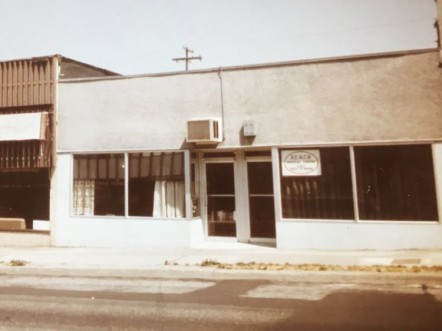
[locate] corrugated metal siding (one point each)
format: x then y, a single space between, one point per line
27 86
27 82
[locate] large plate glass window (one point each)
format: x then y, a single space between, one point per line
317 184
396 183
99 184
156 185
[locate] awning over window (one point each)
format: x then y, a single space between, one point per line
29 126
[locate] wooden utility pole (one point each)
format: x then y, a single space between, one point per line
188 58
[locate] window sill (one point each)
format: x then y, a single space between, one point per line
306 220
128 218
315 220
26 231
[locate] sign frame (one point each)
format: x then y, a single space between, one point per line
301 162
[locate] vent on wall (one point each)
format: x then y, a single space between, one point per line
204 131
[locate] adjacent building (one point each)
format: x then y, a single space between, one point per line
28 117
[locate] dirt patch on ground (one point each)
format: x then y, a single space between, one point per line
320 267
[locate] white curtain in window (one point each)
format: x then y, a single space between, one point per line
84 196
168 199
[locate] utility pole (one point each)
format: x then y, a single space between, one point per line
188 58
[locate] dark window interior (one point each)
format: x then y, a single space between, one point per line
328 196
221 199
220 178
25 194
106 171
396 183
260 177
146 170
261 200
109 197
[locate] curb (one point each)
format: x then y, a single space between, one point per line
197 272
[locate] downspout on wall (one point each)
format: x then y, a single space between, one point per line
221 88
438 25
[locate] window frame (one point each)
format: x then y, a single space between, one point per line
405 221
187 198
195 184
357 219
342 220
86 156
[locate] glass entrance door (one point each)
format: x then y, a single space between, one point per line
261 202
220 183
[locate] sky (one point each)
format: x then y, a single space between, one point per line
142 36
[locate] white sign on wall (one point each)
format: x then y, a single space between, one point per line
301 162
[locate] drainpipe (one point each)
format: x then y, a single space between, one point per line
221 88
438 26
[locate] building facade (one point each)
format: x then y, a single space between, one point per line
339 153
28 112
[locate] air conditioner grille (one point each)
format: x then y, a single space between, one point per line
204 131
197 130
215 130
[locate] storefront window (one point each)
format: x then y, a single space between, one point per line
156 184
99 184
326 194
396 183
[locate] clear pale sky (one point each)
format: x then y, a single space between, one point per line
142 36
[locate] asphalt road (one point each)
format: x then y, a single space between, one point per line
308 302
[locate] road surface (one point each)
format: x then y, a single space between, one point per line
39 301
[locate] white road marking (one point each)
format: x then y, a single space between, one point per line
117 285
297 292
315 292
30 305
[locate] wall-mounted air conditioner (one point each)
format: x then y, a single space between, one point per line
204 131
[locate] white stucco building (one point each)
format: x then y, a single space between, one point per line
339 153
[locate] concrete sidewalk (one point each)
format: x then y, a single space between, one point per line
139 259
